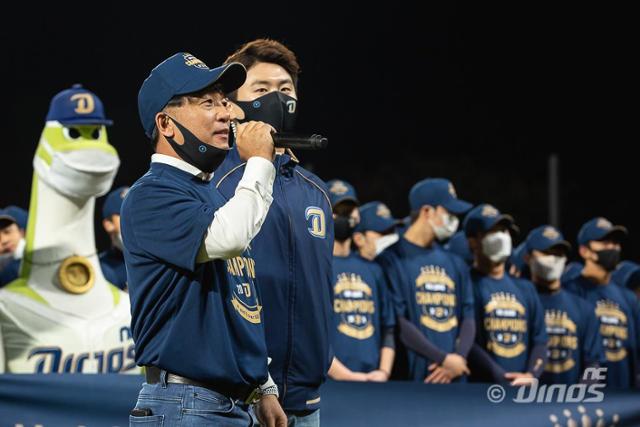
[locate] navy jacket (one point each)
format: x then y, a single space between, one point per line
293 254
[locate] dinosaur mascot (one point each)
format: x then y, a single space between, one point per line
61 315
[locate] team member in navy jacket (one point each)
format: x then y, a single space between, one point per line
363 334
293 252
574 340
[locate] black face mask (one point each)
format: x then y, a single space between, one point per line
275 108
343 227
195 152
608 258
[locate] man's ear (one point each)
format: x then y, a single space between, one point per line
584 252
358 239
165 125
427 211
108 226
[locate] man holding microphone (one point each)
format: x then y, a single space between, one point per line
196 314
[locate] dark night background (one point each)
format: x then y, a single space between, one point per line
478 93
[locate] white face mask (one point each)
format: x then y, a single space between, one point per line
80 173
548 267
497 246
20 249
385 241
448 228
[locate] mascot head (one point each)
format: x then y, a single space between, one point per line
74 156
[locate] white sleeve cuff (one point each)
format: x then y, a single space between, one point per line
269 387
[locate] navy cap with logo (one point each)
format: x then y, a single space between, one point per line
544 238
484 217
77 106
113 202
437 192
13 214
341 191
375 216
182 74
601 229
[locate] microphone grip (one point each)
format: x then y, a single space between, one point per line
313 142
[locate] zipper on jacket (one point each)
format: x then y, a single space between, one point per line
291 299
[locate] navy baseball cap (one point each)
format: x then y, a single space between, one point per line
601 229
341 191
113 202
14 214
484 217
459 245
181 74
77 106
375 216
437 192
544 238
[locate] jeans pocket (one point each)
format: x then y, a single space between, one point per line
207 401
150 420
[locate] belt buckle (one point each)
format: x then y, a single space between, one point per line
254 397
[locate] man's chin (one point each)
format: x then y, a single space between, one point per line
220 141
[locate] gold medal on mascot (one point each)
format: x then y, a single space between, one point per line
76 275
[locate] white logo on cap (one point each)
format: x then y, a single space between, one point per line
192 61
604 223
338 188
550 233
489 211
383 211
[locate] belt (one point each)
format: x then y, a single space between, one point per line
246 395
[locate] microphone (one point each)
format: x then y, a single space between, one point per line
313 142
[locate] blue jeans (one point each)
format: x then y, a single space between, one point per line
187 405
311 420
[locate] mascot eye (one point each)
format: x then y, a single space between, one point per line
74 133
96 133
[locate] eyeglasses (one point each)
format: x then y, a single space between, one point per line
223 102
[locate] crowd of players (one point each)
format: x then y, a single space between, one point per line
442 296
